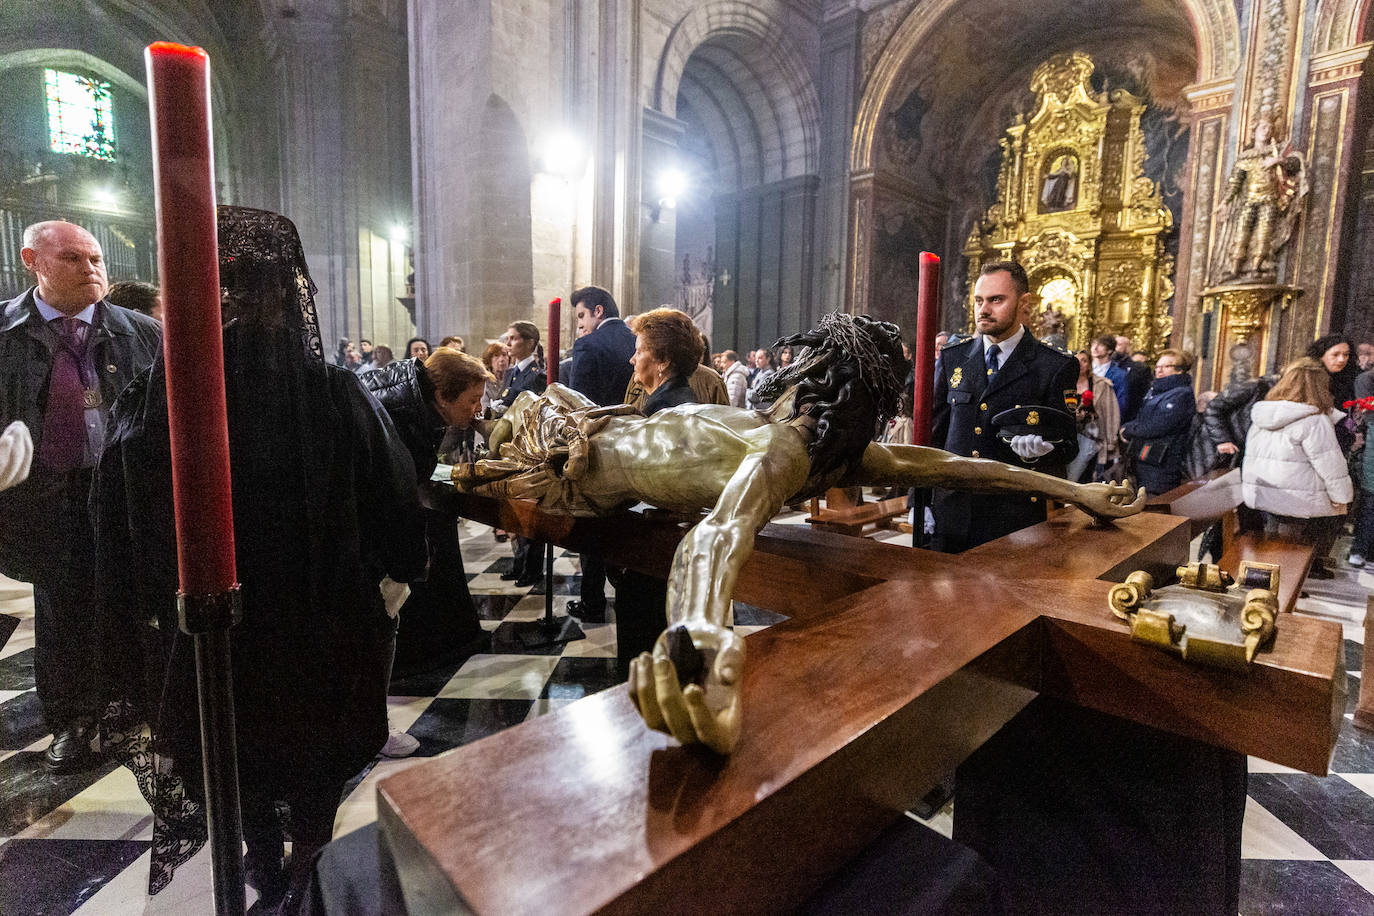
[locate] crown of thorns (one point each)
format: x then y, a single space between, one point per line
871 345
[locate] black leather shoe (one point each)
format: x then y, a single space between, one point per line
71 749
528 581
510 576
593 614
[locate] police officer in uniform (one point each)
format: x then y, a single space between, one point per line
1155 819
978 378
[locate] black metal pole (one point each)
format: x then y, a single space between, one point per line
548 585
208 619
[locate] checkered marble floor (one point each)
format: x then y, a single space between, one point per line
79 843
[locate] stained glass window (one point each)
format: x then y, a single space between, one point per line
80 115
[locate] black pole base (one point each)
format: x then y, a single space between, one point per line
215 686
546 631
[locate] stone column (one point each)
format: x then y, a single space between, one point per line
345 155
616 154
839 92
860 228
1194 329
658 225
1332 162
309 53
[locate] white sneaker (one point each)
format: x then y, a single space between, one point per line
1356 560
399 744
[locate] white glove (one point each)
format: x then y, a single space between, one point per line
1030 447
394 594
16 455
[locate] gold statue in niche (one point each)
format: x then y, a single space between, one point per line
1075 207
1263 200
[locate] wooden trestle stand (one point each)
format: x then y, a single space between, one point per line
894 666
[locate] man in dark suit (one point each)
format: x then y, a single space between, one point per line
601 356
601 370
999 368
65 354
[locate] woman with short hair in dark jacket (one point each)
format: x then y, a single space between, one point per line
423 397
1158 435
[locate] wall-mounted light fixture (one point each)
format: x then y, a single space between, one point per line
671 184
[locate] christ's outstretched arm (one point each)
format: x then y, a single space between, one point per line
885 464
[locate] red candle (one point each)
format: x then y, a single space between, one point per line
555 336
927 322
188 261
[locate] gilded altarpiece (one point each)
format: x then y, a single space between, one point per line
1075 208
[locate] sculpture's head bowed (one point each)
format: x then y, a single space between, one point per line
848 372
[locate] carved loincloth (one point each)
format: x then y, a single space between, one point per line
548 452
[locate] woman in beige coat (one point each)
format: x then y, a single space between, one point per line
1099 421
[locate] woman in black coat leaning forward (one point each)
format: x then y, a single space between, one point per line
424 397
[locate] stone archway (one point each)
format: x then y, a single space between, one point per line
786 84
735 107
924 146
1214 22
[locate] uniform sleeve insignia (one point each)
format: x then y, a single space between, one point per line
1033 418
956 377
1071 398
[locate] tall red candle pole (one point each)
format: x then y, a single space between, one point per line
555 336
188 261
927 323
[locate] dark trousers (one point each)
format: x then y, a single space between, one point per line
439 620
64 653
640 615
1321 532
65 659
529 557
593 593
1364 524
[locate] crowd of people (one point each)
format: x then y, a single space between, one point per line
347 575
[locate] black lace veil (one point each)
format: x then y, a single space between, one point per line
260 251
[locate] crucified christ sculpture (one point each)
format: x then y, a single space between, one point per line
742 466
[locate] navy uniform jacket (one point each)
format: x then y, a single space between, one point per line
532 378
601 367
964 405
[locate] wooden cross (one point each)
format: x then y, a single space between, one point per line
894 666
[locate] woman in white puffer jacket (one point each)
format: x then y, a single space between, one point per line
1294 470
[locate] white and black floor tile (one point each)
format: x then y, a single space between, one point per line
79 843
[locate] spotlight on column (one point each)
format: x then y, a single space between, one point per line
561 154
672 184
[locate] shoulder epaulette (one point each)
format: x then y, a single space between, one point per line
956 339
1062 351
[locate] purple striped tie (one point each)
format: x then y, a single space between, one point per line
63 446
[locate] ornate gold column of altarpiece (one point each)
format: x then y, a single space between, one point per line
1075 208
